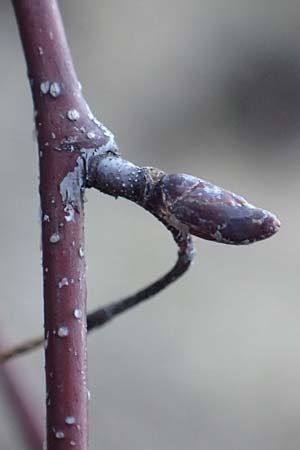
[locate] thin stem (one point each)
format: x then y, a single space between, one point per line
20 349
102 315
185 257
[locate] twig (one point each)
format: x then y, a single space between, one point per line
20 349
183 201
185 257
184 204
101 316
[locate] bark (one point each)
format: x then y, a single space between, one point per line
66 131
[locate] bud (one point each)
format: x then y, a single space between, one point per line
210 212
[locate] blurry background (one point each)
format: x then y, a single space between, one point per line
209 88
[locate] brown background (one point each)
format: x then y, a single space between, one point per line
208 88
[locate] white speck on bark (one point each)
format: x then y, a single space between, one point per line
77 313
70 420
63 332
44 87
91 135
59 434
63 282
54 89
70 216
54 238
73 114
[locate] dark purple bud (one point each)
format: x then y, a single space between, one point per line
212 213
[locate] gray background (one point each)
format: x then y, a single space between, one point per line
208 88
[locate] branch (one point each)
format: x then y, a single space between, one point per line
64 126
22 401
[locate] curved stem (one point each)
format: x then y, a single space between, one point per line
101 316
185 257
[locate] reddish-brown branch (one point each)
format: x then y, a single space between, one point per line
65 127
20 399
